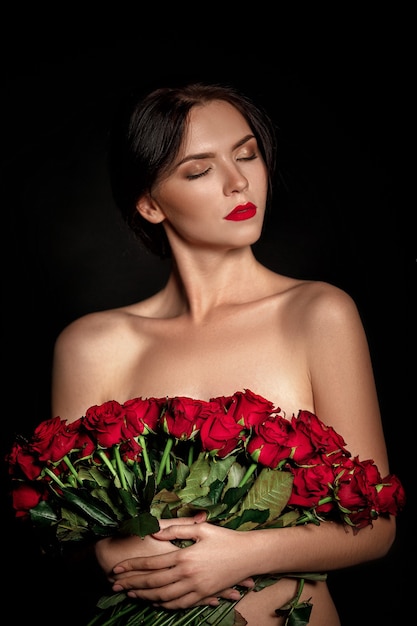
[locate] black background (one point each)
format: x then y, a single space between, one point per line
340 214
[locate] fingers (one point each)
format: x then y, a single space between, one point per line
178 531
179 579
144 564
168 592
170 529
183 521
170 597
248 582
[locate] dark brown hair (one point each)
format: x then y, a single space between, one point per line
146 139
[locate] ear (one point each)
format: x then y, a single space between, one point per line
149 209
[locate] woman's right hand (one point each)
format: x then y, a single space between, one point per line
112 550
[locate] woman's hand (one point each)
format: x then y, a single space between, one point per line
112 550
185 577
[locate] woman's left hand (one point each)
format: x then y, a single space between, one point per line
196 575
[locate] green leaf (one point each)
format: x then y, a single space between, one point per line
286 519
71 534
96 475
214 511
271 490
250 518
220 468
149 491
166 496
195 484
162 511
300 615
112 600
265 581
141 525
234 495
43 514
181 475
129 501
110 498
72 519
216 490
91 507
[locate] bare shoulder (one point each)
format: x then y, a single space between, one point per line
319 305
94 331
91 356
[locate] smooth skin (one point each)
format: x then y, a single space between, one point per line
223 322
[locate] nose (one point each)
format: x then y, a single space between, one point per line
234 180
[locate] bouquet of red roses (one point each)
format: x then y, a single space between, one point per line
121 467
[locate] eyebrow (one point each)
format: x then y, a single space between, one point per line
208 155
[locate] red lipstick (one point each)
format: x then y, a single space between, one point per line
242 212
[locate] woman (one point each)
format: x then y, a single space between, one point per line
191 174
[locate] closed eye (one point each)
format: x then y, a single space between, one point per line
194 176
249 158
252 157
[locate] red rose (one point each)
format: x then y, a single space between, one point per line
248 408
85 443
360 518
181 417
356 481
21 459
390 496
272 442
63 441
43 437
355 490
310 485
316 442
220 433
27 496
106 422
131 450
141 416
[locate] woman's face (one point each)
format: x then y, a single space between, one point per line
215 194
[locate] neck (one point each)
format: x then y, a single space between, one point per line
199 284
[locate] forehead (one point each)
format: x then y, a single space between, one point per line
212 126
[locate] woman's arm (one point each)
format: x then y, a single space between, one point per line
331 334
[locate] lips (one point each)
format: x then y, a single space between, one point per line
242 212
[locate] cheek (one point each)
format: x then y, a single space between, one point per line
177 200
261 181
182 204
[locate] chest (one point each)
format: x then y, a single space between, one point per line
230 353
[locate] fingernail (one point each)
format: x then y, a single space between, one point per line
235 595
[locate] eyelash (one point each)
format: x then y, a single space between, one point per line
195 176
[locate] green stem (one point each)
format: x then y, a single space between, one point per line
163 620
54 477
120 466
165 455
248 474
140 473
299 590
190 455
310 516
145 455
130 608
68 462
325 500
103 457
